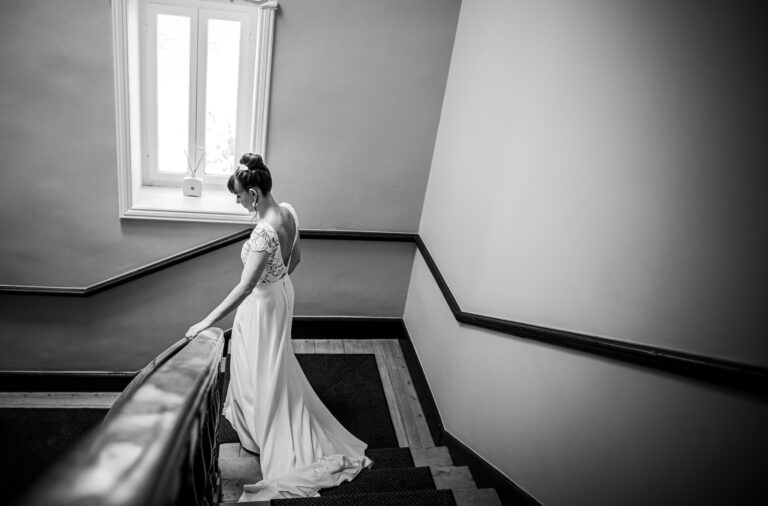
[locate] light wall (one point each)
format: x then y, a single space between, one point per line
356 94
597 169
576 429
124 328
58 177
604 161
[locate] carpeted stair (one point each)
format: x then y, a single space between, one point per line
394 479
399 476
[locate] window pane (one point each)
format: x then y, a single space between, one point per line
221 95
172 92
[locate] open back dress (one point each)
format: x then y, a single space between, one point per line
269 402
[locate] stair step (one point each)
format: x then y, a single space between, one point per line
237 467
476 497
432 457
461 497
415 478
452 477
411 498
385 480
381 457
393 470
232 451
390 457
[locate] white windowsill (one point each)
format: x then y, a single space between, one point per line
139 201
169 203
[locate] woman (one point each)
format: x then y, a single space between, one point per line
270 402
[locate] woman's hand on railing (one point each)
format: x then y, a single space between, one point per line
196 329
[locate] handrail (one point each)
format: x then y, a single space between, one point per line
158 446
730 373
142 375
85 291
177 258
745 377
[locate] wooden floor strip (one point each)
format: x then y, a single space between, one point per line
401 396
431 457
407 416
329 346
400 384
354 346
303 346
412 397
389 393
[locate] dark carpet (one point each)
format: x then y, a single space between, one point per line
385 480
412 498
390 457
32 440
349 385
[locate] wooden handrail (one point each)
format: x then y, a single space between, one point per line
142 375
158 446
716 370
744 377
85 291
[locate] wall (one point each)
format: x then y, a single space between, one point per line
598 169
357 90
575 429
58 197
122 329
606 160
356 95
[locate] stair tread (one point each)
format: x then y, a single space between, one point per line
390 457
462 497
452 477
476 497
436 456
385 480
237 468
410 497
393 470
381 457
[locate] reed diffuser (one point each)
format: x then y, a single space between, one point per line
193 185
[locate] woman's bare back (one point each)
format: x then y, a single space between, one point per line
282 221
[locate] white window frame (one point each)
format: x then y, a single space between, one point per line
143 191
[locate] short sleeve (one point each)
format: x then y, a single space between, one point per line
261 239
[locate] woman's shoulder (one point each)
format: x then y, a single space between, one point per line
262 228
290 208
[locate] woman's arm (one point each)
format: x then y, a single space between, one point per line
295 256
254 266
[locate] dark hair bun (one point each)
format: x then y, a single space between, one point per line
252 173
253 161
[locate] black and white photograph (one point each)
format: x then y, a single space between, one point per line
383 252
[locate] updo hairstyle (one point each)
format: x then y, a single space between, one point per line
252 173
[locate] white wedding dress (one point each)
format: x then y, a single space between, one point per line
270 403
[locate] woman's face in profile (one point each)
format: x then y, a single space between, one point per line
244 198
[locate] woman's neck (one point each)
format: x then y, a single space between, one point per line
266 205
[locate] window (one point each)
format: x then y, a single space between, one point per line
192 84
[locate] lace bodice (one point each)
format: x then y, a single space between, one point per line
264 238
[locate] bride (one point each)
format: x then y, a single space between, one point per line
270 403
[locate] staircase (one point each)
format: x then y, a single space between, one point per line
413 473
